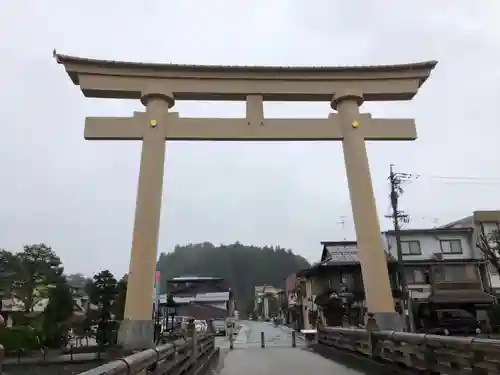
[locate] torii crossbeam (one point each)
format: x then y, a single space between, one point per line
236 129
160 85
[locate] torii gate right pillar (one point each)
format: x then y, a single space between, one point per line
378 291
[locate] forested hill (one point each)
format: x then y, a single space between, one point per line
242 266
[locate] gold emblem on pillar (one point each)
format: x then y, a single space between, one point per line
355 124
153 123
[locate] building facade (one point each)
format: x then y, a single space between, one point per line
443 270
293 315
483 225
333 291
200 297
266 303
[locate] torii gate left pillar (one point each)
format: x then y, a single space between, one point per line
137 329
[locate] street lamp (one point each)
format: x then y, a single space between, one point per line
156 316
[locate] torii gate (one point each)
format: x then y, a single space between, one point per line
158 86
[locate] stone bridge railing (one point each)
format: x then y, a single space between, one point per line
430 354
193 356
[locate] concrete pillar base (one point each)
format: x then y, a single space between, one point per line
389 321
136 334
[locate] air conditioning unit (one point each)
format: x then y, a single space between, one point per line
438 256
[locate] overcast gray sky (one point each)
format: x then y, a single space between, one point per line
79 196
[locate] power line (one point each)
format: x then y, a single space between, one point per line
458 179
470 183
471 178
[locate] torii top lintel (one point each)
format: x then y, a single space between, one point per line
129 80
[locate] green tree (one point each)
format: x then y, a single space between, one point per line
36 267
57 313
103 294
242 266
7 273
121 293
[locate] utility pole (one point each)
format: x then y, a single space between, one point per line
230 320
398 217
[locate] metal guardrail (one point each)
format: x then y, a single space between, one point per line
176 358
424 352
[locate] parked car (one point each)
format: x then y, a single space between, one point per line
220 327
454 321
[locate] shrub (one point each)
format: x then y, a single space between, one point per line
21 318
19 338
55 335
107 332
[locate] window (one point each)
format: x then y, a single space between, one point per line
457 272
346 279
334 281
451 246
410 248
489 227
455 314
415 276
490 230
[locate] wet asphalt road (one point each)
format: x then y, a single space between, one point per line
277 358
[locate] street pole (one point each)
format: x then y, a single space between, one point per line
230 312
395 180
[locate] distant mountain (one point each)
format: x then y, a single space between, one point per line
242 266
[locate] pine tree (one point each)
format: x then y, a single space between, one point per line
57 313
103 294
119 307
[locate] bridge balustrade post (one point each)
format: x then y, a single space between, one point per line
430 358
2 356
194 343
371 325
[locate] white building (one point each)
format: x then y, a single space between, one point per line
446 263
482 223
210 293
216 299
443 257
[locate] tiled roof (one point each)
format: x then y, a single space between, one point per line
62 59
466 222
345 255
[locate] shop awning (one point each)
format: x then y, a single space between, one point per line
462 296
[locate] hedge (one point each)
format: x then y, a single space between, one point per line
19 338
